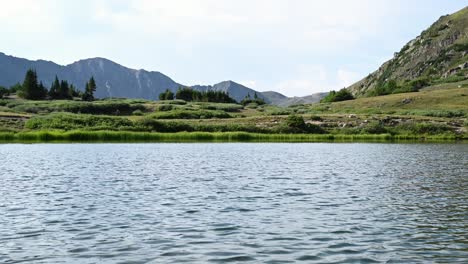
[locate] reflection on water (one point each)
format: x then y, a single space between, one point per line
269 203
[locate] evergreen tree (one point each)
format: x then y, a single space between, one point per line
30 88
88 95
42 91
74 92
54 89
167 95
64 90
3 91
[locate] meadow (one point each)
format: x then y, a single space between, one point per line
436 113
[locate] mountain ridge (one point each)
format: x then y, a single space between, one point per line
116 80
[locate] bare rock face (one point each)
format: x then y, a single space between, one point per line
439 52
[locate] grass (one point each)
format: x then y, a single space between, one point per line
437 112
113 136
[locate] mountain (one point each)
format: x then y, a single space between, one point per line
438 54
112 79
282 100
235 90
115 80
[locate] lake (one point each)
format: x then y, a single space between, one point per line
234 202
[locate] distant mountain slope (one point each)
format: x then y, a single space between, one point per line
282 100
235 90
439 53
115 80
274 97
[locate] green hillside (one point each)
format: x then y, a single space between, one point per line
438 55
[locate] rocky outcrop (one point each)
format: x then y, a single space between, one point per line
439 52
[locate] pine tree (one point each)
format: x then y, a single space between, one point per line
88 95
30 88
92 86
64 90
54 89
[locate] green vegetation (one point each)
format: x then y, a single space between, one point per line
392 87
3 91
437 56
112 136
90 88
167 95
437 113
190 95
341 95
256 101
31 88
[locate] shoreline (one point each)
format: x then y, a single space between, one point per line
220 137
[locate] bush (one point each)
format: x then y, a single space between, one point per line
341 95
296 124
421 128
67 121
316 118
165 107
222 107
190 114
375 128
438 113
98 107
137 112
3 91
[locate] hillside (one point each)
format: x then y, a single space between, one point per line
438 55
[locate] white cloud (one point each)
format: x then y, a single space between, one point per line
310 79
297 24
346 77
295 46
27 16
251 84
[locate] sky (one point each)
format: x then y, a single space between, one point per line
296 47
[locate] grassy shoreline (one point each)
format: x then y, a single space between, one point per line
124 136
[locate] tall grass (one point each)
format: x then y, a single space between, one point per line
120 136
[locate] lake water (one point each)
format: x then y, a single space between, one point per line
257 203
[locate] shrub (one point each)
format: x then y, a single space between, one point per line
98 107
421 128
341 95
222 107
190 114
3 91
137 112
296 124
316 118
375 128
66 121
165 107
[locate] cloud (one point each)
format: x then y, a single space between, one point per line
297 46
251 84
27 16
309 79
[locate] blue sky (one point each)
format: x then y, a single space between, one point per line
296 47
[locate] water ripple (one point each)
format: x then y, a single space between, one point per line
234 203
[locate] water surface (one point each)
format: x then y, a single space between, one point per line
246 203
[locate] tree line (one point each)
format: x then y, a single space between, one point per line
33 89
189 95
